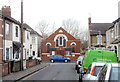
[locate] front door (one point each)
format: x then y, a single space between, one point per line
53 52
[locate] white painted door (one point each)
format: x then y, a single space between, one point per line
53 52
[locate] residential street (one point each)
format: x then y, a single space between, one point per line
53 40
56 71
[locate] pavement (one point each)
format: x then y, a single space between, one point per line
21 74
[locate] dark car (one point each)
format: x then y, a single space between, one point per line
55 58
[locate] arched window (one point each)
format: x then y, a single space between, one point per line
60 41
64 42
56 42
73 44
48 44
48 48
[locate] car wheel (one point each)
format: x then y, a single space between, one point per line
52 61
66 61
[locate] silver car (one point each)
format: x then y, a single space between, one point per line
93 70
110 72
79 62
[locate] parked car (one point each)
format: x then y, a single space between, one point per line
55 58
92 71
98 56
79 62
110 72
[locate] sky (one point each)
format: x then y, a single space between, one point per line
55 11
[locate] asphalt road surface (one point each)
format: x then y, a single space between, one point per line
56 71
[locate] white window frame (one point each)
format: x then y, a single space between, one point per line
67 52
53 52
6 53
99 39
7 28
73 43
16 31
62 41
33 39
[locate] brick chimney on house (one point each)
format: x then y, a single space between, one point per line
89 20
6 10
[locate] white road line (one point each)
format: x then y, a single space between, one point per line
54 78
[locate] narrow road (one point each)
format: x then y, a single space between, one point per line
56 71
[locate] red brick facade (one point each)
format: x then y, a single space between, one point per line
61 42
1 45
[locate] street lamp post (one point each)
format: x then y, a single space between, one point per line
21 63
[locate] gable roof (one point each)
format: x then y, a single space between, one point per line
117 20
61 31
11 19
26 26
103 27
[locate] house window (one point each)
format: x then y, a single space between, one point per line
16 31
17 55
7 53
57 43
33 39
112 33
33 53
67 53
60 41
99 39
53 52
48 48
64 42
7 29
73 47
73 44
119 30
28 35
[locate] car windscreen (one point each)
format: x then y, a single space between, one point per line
97 69
115 74
80 58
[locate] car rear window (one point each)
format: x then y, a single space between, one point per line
115 74
97 70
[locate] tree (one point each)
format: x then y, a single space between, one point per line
72 27
43 28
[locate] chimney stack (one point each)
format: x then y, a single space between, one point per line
89 20
6 10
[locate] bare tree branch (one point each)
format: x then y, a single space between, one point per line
43 28
72 27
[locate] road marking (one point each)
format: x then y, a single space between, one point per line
54 78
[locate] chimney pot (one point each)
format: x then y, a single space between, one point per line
6 10
89 20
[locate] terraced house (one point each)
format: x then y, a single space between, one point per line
113 37
97 34
62 43
10 41
10 44
32 46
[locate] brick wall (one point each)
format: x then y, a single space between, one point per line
60 50
30 63
45 58
5 69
